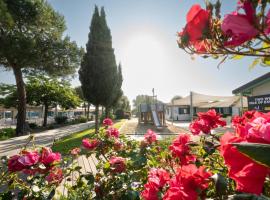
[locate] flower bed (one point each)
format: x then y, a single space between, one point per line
217 166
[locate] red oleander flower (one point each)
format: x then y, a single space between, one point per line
248 175
29 158
240 27
180 149
187 183
14 165
117 164
112 132
90 144
55 176
75 151
48 157
107 122
206 122
150 137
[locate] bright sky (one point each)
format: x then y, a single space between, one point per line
144 39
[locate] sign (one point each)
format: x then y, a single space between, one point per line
260 103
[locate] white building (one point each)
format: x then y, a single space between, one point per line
185 109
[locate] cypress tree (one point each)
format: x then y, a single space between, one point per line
98 67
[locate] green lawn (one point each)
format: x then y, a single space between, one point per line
75 140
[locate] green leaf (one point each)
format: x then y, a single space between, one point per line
257 152
107 165
220 183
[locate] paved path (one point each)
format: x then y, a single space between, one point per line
45 138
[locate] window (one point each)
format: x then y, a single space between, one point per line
182 111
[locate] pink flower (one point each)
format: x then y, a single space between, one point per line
107 122
55 176
180 149
29 158
75 151
150 136
112 132
240 27
14 165
117 164
48 157
90 144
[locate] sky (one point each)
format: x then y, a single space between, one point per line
144 40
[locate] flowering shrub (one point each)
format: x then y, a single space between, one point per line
243 32
199 166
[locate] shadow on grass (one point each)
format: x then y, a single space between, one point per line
65 144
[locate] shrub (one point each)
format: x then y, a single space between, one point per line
7 133
33 125
61 119
81 119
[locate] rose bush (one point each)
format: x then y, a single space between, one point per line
242 32
199 166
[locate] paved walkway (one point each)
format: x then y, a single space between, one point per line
45 138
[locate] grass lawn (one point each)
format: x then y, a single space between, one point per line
75 140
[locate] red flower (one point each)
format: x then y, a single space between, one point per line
75 151
248 175
112 132
181 149
29 158
150 192
206 121
150 136
48 157
55 176
90 144
188 181
197 22
157 178
14 165
107 122
117 164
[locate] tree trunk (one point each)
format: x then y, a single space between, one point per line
96 120
107 111
21 116
88 109
46 108
84 106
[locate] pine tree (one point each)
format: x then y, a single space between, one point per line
98 67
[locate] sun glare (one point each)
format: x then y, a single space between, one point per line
144 50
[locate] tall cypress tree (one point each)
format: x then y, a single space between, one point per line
98 65
117 92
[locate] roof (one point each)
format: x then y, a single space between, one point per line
252 83
209 101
